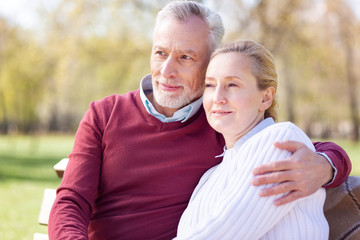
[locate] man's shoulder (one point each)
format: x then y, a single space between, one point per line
115 99
115 103
111 99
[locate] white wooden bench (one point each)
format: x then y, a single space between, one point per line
61 166
48 200
41 236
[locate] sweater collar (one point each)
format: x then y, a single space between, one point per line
258 128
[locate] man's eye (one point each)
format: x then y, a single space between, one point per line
161 53
186 57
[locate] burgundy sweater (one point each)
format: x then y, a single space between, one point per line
131 176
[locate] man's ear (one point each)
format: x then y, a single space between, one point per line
267 98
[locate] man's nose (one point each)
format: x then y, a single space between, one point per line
169 68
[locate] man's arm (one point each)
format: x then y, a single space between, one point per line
304 172
69 218
72 209
339 159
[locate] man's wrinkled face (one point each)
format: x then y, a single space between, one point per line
179 58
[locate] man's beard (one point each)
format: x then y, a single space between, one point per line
166 99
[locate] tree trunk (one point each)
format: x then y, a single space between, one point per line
352 86
3 122
289 90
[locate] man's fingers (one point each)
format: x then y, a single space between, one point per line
291 196
290 146
270 178
276 166
281 188
285 164
292 178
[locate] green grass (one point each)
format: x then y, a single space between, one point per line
26 169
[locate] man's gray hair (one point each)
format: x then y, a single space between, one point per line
182 10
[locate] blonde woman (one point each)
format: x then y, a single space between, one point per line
239 101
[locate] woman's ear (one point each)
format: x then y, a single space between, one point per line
267 98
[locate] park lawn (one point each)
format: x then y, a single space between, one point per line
26 169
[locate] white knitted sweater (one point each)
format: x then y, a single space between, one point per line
225 205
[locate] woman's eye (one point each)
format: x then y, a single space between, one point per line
232 85
207 85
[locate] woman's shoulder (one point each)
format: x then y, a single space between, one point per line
282 131
285 126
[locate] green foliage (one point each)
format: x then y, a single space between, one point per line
22 81
88 51
22 74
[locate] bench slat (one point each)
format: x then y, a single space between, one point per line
47 202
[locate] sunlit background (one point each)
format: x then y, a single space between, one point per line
56 56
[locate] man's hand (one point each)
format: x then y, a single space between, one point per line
300 175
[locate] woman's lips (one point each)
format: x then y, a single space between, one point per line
220 112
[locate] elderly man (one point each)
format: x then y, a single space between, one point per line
137 157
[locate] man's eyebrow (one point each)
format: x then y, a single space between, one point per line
188 51
159 47
178 51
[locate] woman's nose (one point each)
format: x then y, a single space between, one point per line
219 95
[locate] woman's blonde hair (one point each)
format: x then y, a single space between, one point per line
263 68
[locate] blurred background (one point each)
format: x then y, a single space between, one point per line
56 56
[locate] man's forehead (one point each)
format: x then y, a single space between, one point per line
184 36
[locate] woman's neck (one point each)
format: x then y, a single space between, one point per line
231 139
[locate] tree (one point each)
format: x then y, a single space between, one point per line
346 25
21 77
